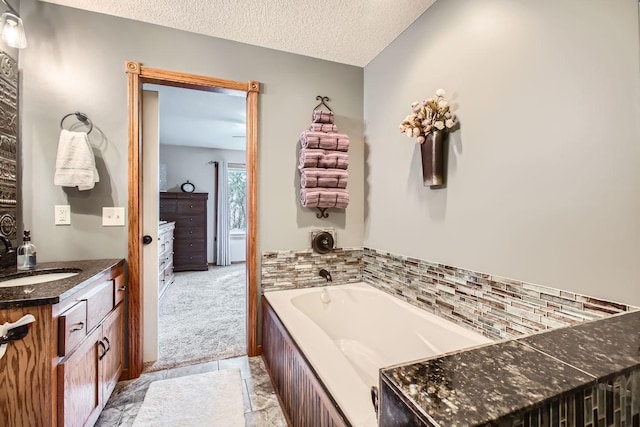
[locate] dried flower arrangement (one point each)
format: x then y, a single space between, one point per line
429 115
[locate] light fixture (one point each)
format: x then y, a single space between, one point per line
12 28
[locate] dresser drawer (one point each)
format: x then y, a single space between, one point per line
99 303
168 207
191 207
72 327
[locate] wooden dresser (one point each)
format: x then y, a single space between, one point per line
189 212
165 255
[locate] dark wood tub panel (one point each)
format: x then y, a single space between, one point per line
302 394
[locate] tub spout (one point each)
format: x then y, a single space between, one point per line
325 297
324 273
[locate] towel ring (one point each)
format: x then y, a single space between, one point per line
81 118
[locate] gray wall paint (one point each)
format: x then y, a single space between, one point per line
191 163
75 61
544 176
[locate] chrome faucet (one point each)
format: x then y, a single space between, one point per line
324 273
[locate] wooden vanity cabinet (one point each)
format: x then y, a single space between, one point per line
63 371
88 373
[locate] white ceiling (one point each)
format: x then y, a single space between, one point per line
347 31
195 118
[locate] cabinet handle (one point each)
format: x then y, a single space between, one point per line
191 206
101 344
190 231
77 327
122 288
108 343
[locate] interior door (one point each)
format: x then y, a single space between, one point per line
150 178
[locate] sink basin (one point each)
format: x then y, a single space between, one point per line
38 277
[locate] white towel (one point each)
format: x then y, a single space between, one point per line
75 163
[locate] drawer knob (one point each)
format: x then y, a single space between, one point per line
191 244
190 219
77 327
122 288
191 232
191 206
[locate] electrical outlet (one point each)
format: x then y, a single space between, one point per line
112 217
62 214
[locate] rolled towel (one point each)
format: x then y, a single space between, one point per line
326 141
324 197
320 116
328 178
323 127
310 158
334 159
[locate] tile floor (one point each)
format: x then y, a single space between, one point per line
261 407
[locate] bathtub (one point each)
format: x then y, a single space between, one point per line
362 329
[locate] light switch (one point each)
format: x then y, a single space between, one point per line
62 214
113 217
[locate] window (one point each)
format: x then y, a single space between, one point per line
237 199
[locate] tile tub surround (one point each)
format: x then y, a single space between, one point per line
494 306
299 269
583 373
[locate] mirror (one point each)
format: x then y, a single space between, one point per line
8 148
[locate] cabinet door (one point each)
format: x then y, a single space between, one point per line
113 337
79 385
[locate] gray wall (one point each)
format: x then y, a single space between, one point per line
75 61
192 163
544 176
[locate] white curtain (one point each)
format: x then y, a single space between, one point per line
223 244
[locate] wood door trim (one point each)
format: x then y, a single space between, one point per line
137 75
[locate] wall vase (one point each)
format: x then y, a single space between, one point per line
433 159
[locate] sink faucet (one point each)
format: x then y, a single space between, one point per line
324 273
7 244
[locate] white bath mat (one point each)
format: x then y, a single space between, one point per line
211 399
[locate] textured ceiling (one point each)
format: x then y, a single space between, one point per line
347 31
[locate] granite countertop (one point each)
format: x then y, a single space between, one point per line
480 385
55 291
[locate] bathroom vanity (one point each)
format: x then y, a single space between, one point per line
63 372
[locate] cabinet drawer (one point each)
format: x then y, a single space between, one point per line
119 289
190 232
99 303
72 328
189 207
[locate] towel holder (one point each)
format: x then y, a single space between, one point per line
82 118
323 213
323 100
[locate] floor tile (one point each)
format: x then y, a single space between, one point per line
110 417
265 418
200 368
245 397
241 362
261 394
129 413
133 391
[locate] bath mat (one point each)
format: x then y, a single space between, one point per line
211 399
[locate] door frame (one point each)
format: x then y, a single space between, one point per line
137 75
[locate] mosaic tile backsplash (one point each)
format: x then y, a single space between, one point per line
495 306
611 403
299 269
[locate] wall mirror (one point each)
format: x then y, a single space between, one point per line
8 148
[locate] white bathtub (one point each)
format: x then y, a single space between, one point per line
358 332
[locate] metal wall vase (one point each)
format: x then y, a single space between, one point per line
433 159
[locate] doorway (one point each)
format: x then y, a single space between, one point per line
137 76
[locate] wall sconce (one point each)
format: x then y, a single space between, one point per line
12 28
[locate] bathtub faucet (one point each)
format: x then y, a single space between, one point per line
324 273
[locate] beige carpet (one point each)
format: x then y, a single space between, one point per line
203 317
211 399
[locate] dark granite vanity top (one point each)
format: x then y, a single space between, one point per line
480 385
54 291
